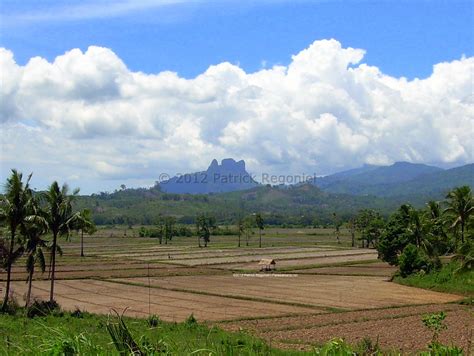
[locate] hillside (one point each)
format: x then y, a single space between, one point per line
301 204
295 204
400 179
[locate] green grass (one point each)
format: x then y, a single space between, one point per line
443 280
87 335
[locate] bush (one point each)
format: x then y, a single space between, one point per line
43 308
413 260
12 306
336 347
153 321
191 320
78 313
367 347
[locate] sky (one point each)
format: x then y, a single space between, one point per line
104 93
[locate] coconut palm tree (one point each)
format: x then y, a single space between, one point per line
419 231
13 211
35 227
460 208
85 223
60 218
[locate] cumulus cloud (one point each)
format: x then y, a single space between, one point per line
325 111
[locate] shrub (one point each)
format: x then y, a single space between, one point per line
78 313
12 306
413 260
153 321
43 308
335 347
367 347
191 320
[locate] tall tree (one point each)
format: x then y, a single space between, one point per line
13 212
337 226
352 228
248 228
460 208
437 232
370 224
204 226
169 223
260 225
34 229
60 218
240 228
85 223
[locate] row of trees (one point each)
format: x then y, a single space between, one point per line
206 225
414 239
34 222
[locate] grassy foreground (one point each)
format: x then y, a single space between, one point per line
443 280
80 333
86 334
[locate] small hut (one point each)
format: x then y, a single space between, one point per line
267 264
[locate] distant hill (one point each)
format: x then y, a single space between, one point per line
229 176
345 193
399 179
303 204
436 184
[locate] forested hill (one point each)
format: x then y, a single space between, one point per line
400 179
344 193
305 204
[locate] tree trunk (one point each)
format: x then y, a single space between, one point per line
239 239
82 242
462 232
352 238
260 239
53 266
9 269
30 283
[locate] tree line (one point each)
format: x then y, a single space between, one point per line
415 239
165 228
34 222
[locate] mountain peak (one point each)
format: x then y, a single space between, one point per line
228 176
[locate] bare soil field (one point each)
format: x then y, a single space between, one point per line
335 257
102 296
362 269
286 259
398 329
344 292
331 291
197 253
119 271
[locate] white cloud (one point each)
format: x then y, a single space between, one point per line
88 116
88 9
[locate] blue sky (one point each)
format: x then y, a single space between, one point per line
402 38
104 93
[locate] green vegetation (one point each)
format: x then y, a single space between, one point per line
304 205
87 334
82 333
435 323
13 213
446 279
415 239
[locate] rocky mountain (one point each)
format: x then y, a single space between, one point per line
228 176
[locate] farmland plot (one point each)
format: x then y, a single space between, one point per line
103 297
345 292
